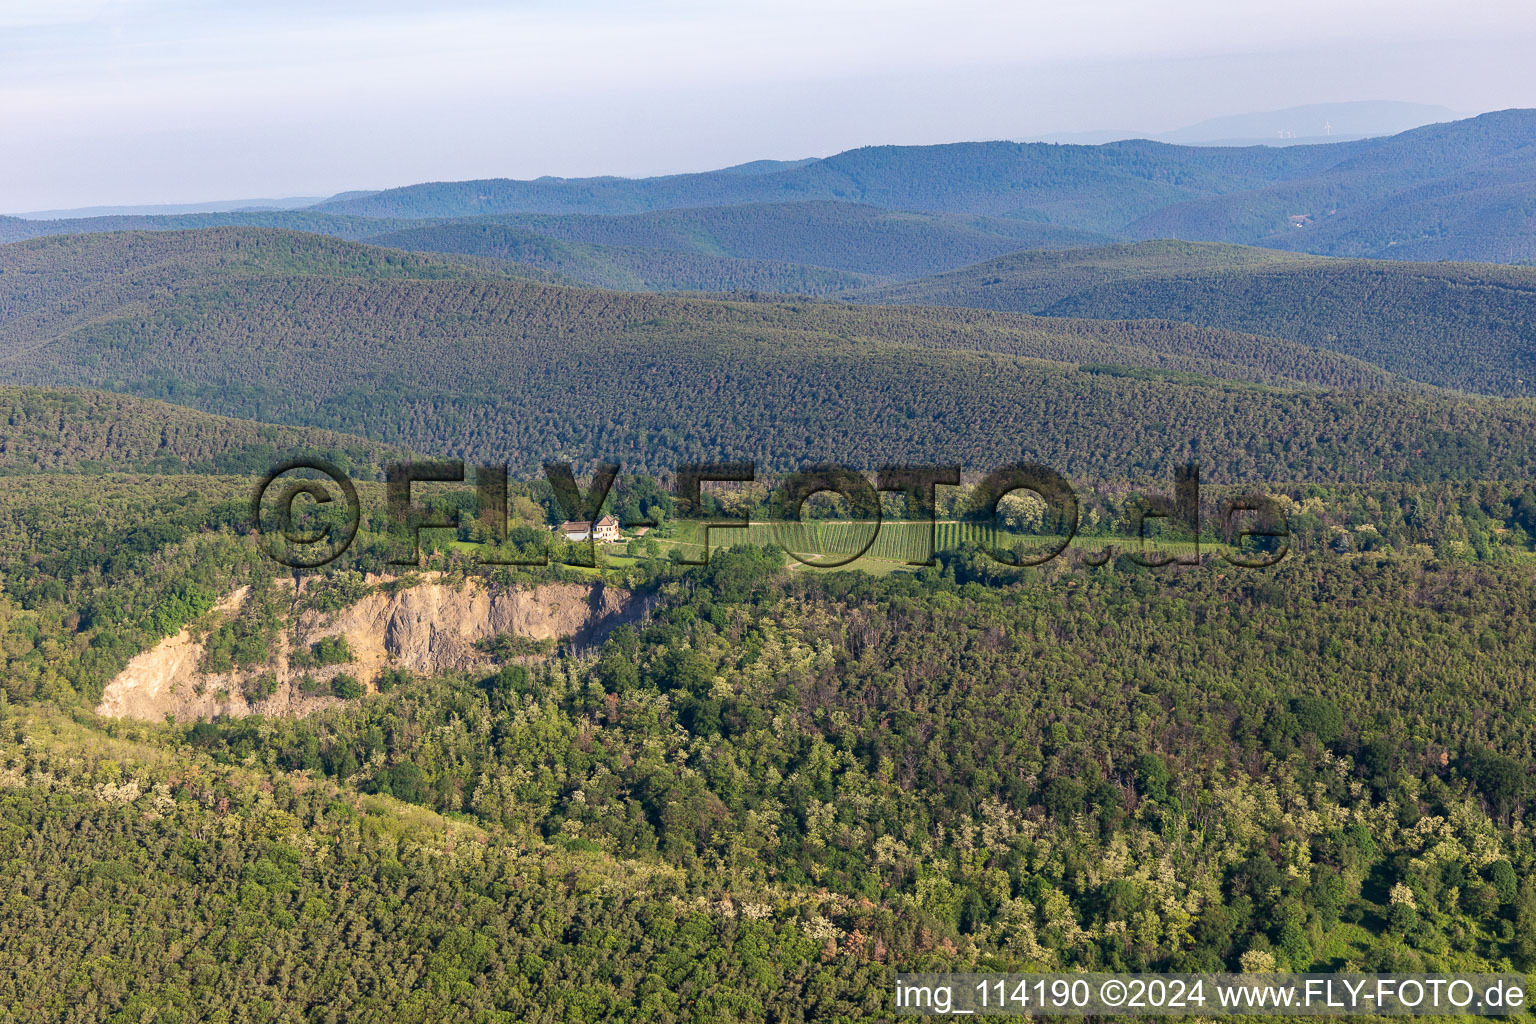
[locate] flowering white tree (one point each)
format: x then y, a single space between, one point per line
1021 510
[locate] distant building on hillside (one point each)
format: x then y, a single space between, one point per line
605 529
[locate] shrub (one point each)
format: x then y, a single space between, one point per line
331 650
391 678
346 687
259 688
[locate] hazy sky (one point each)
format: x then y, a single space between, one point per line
157 101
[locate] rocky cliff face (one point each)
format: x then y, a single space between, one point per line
433 627
427 628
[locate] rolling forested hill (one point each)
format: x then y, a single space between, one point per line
47 284
492 366
1468 326
786 247
70 429
37 273
1029 281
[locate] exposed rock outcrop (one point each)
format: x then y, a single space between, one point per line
430 627
433 627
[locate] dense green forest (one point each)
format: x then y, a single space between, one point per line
1048 742
783 785
143 880
1467 326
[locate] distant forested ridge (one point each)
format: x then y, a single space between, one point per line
624 267
13 229
1461 190
845 236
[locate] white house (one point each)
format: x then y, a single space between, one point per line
605 529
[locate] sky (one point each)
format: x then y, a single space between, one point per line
168 101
